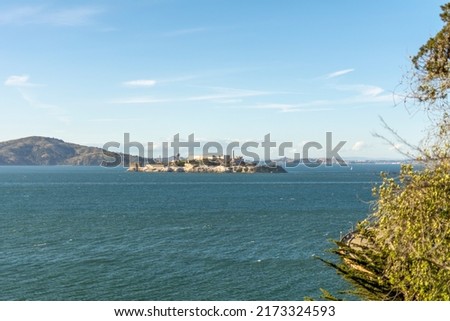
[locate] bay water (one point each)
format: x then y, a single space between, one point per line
90 233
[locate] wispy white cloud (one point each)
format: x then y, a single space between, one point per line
352 101
364 90
153 82
25 89
52 110
360 96
397 146
280 107
372 91
339 73
30 15
142 100
224 93
220 95
182 32
289 108
140 83
19 81
18 15
177 79
358 146
363 96
73 16
230 101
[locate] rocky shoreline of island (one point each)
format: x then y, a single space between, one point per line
207 166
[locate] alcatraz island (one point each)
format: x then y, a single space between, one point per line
210 164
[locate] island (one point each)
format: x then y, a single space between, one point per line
211 164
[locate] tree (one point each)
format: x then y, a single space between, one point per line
430 81
427 85
402 250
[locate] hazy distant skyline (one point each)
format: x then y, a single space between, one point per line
89 71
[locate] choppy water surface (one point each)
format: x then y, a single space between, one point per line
87 233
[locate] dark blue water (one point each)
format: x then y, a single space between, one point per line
87 233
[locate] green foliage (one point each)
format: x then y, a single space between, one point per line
402 252
412 233
431 80
180 163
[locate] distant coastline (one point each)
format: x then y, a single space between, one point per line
47 151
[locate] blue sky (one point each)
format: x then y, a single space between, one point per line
89 71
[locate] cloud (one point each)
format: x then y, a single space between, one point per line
359 146
18 15
229 101
140 83
361 96
221 95
359 100
363 90
19 81
23 86
34 15
72 17
177 79
275 106
52 110
364 95
367 94
339 73
371 91
289 108
142 100
224 93
153 82
397 147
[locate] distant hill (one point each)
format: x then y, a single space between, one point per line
38 150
